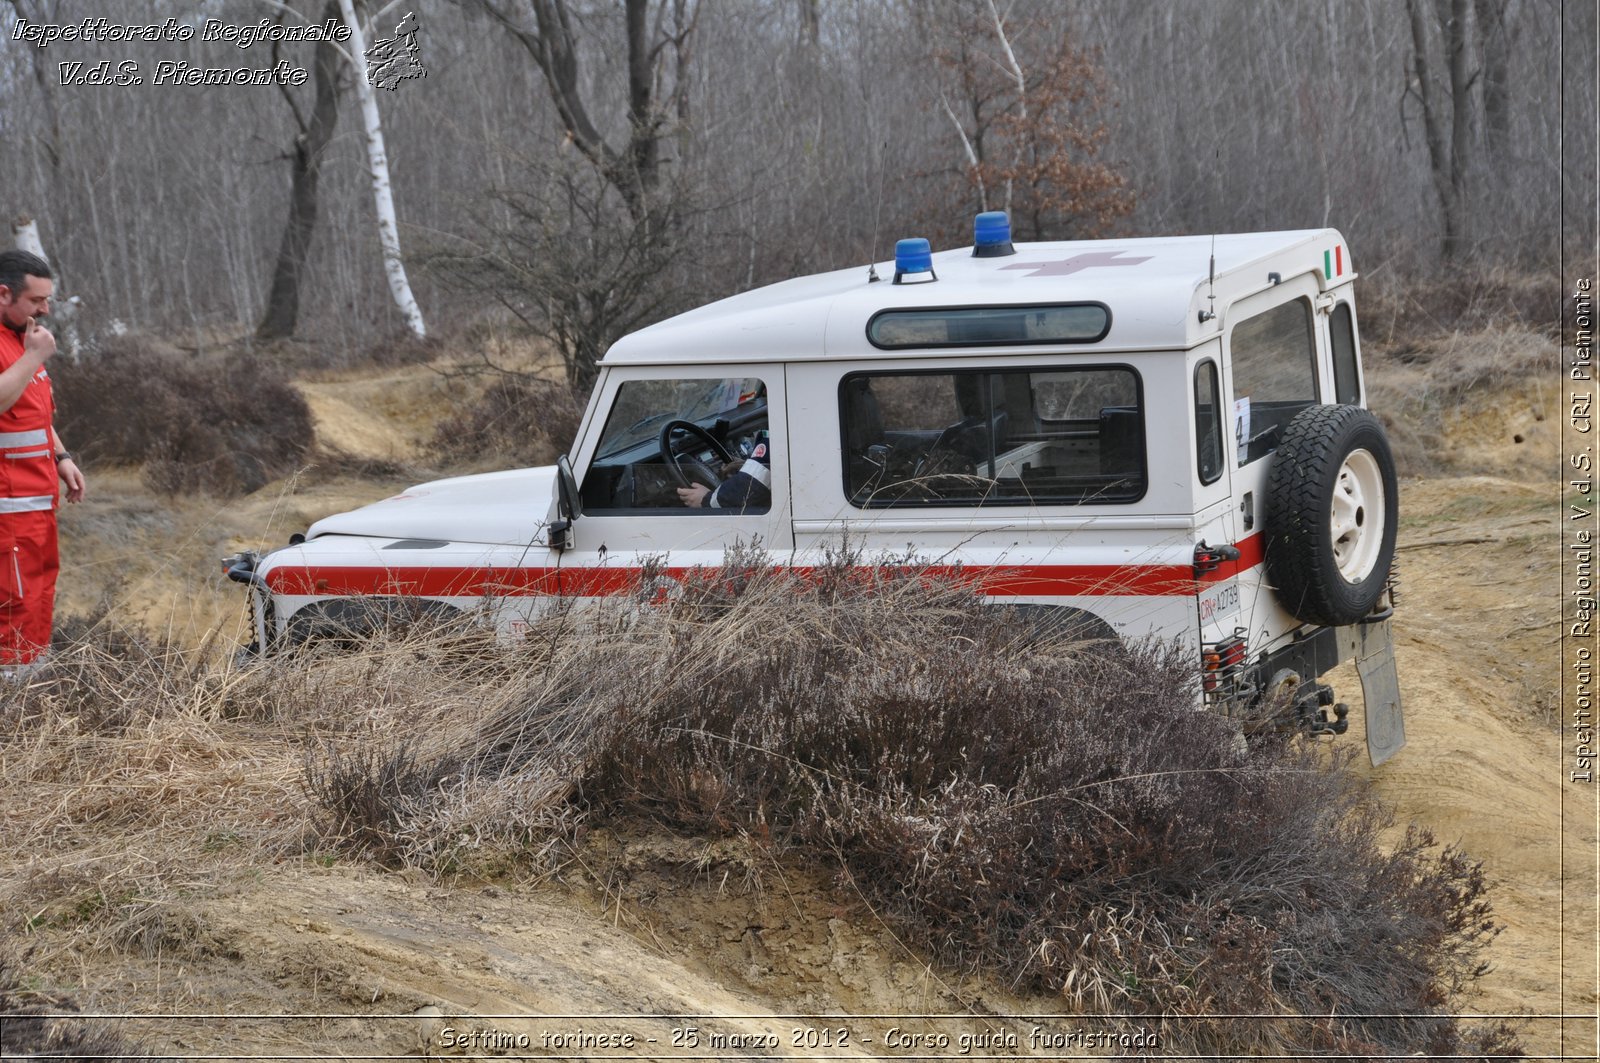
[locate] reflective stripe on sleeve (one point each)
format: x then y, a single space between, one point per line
45 453
757 472
36 438
31 504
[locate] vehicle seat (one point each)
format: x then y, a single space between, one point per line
1121 442
863 430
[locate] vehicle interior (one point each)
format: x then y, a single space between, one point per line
666 434
1009 437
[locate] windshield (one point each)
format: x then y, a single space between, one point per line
643 406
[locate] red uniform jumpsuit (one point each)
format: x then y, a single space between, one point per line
29 484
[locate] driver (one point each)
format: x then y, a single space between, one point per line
748 488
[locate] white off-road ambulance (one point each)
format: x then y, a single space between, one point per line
1143 438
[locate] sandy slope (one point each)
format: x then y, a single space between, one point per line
675 928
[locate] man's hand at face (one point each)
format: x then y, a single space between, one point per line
694 496
38 341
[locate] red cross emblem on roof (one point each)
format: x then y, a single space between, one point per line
1063 266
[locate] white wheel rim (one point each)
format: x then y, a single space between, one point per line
1356 518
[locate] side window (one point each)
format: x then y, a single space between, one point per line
662 435
982 438
1208 421
1346 373
1274 375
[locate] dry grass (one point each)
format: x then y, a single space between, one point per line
135 774
1012 800
1425 392
1400 310
38 1025
1009 799
1440 352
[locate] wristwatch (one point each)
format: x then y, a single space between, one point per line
65 455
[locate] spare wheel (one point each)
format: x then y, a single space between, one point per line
1332 508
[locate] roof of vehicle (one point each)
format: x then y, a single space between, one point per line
1155 289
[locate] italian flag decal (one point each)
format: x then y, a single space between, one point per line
1333 262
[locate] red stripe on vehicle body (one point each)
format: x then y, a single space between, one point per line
590 582
1252 552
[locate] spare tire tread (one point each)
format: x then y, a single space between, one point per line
1299 554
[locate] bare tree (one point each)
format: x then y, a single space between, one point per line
1452 102
656 88
315 129
568 263
1498 25
1028 131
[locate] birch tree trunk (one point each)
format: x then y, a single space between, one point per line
378 165
26 232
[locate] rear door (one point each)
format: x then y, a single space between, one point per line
1271 373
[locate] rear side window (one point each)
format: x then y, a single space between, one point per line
1274 375
1346 375
987 438
1208 421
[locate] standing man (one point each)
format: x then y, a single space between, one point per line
32 460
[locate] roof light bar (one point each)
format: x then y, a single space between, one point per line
991 235
911 258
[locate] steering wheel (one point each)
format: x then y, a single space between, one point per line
687 471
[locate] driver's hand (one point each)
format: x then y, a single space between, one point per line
694 496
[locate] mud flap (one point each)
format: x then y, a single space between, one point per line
1372 645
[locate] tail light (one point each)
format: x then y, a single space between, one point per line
1222 664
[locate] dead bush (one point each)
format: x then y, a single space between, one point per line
225 427
1047 809
368 793
518 420
404 348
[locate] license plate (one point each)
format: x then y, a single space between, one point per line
1219 602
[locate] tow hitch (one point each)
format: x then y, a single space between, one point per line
241 568
1308 706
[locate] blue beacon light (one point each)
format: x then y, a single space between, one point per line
912 257
991 235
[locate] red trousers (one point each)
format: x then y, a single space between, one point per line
29 561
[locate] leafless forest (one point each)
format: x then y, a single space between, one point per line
582 167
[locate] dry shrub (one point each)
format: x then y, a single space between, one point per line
518 420
100 676
1014 800
1397 310
404 348
368 794
224 427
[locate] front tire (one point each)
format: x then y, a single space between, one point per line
1332 509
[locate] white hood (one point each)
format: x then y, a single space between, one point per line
497 507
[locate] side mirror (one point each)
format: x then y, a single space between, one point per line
566 489
566 505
